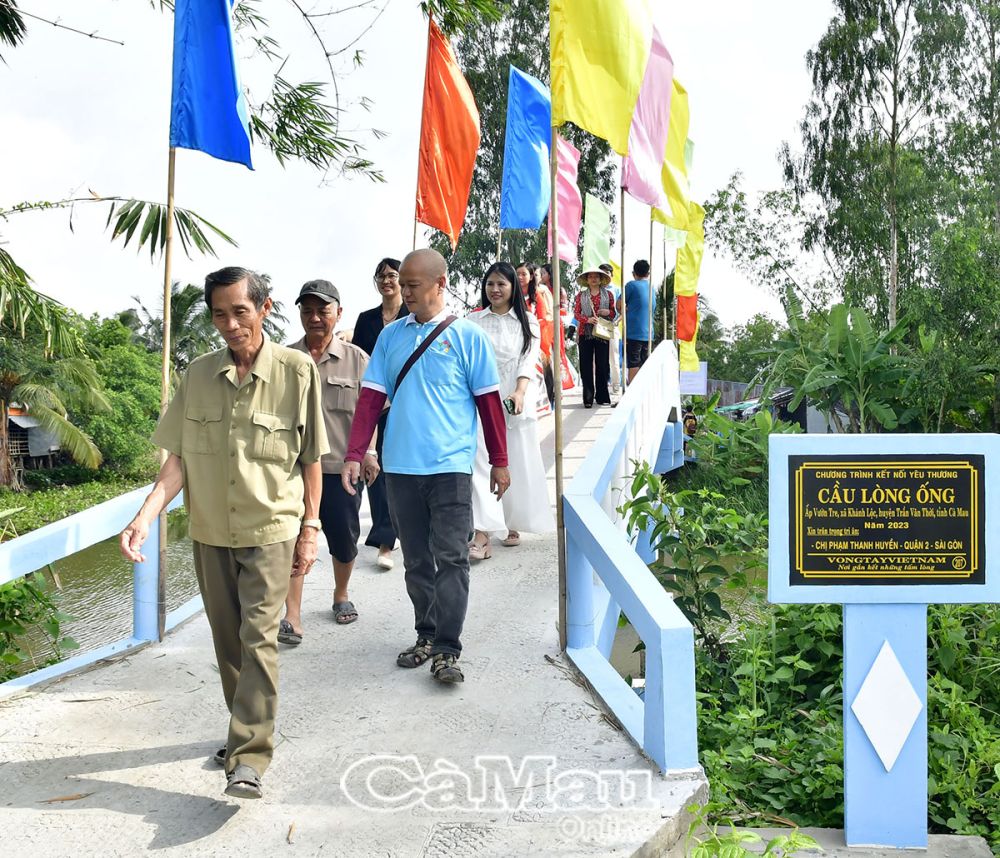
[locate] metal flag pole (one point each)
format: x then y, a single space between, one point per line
663 335
499 242
168 243
623 360
649 329
557 384
420 140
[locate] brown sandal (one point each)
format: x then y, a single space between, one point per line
415 655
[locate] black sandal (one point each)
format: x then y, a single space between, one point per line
445 668
287 634
415 655
243 782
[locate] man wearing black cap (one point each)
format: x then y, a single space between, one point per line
341 366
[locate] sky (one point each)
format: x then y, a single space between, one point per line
80 115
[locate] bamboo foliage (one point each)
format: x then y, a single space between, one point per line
190 228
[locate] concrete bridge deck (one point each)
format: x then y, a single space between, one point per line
115 761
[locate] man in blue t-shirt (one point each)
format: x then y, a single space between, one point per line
428 452
637 321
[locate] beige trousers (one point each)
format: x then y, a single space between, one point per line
244 592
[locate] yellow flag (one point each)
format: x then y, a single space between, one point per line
599 54
616 274
688 357
675 171
690 255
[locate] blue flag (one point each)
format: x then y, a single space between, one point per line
208 110
526 187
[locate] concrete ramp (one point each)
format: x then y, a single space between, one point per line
372 760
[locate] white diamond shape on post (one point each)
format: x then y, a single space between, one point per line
887 706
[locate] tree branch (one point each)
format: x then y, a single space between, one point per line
364 32
61 26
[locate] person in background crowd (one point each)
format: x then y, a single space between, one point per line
526 280
637 297
340 366
614 345
439 372
594 301
366 330
253 514
545 310
513 331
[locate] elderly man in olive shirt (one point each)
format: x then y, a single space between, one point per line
244 437
341 366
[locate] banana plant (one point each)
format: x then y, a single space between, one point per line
851 372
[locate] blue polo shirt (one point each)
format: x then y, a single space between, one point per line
637 310
433 420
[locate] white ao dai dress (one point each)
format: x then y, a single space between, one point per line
525 505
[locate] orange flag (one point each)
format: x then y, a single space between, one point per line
449 140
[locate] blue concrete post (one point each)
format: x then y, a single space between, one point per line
579 597
145 626
885 808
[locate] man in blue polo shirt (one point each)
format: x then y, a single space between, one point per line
637 299
428 452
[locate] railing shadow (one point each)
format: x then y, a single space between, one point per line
49 544
78 784
606 574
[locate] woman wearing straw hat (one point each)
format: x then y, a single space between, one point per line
594 301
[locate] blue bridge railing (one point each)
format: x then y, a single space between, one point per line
606 574
35 550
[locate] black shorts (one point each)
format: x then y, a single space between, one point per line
636 353
340 515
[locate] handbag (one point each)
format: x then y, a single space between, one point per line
604 329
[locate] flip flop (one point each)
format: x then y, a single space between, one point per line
220 756
344 613
287 634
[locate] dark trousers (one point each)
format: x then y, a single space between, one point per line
382 532
594 351
433 516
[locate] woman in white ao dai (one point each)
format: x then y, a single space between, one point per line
514 332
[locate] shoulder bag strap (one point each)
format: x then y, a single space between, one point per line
419 350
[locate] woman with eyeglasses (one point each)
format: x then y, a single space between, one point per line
513 330
369 325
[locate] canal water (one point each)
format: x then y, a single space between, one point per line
97 588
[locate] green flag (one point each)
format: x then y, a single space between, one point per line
596 233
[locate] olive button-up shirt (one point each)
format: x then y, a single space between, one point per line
242 444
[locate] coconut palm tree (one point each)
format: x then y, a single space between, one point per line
191 330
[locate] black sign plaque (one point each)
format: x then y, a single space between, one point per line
887 519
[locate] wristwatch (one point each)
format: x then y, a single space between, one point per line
312 522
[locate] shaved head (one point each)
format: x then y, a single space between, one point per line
423 277
426 263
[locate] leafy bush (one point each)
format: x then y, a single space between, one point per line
702 545
770 719
736 451
66 475
26 604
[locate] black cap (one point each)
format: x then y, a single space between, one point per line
322 289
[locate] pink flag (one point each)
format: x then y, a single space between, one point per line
569 201
647 140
